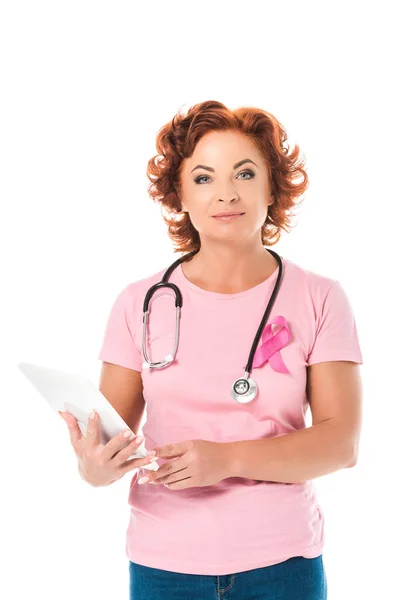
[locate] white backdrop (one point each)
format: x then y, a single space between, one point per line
85 88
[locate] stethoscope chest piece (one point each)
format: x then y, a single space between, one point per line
244 390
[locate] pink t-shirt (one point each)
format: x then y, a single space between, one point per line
238 524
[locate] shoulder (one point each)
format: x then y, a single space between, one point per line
321 294
303 280
135 291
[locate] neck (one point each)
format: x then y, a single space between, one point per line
228 268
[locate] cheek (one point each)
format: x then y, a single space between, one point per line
200 214
256 215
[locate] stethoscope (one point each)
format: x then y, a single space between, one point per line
244 389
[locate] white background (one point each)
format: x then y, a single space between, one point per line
85 88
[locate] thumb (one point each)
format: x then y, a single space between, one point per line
74 430
68 418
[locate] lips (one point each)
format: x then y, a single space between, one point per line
228 214
227 217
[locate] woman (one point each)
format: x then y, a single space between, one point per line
231 512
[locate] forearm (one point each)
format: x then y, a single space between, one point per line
292 458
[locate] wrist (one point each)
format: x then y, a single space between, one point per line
230 459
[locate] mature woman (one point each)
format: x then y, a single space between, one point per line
231 512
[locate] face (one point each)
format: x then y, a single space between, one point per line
212 181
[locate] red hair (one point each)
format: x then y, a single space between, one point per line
177 140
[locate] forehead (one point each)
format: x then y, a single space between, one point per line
222 148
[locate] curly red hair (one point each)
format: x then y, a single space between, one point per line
177 140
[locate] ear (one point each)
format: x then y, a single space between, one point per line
177 189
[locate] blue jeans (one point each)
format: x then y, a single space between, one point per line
297 578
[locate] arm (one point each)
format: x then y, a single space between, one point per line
120 377
334 390
123 388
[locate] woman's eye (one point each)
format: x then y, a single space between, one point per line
198 179
247 173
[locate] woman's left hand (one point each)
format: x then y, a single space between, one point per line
192 463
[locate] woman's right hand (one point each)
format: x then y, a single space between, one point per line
99 464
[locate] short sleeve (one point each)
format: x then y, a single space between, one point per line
118 345
336 335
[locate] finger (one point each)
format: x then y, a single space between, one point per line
136 463
182 484
173 450
116 444
169 469
120 450
93 431
75 433
173 478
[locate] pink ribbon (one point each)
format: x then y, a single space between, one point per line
271 344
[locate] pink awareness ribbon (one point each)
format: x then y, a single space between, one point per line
271 344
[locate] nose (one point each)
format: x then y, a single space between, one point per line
226 191
229 195
226 200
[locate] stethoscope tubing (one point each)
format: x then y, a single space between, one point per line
178 305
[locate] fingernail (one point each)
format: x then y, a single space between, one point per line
139 439
92 415
143 480
152 453
153 459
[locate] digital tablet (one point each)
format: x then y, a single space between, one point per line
79 396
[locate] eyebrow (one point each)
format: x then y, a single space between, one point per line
241 162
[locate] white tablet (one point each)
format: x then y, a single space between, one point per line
78 396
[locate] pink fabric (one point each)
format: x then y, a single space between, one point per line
238 524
